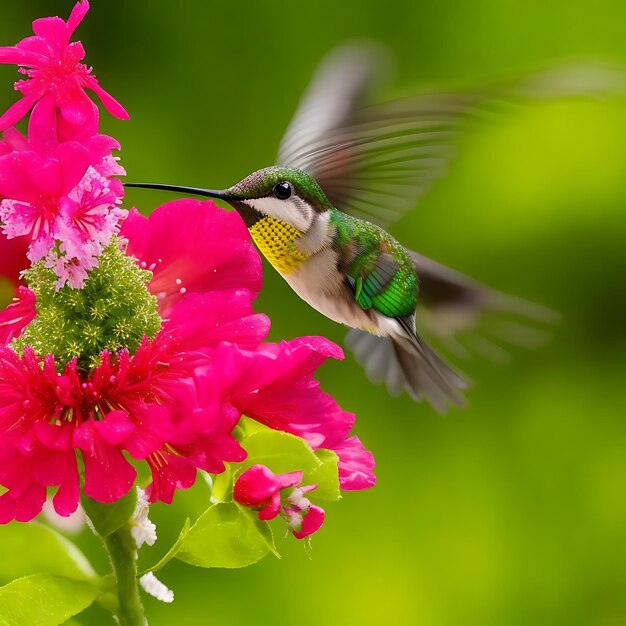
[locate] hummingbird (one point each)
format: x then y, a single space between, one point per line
346 171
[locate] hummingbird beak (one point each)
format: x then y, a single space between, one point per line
207 193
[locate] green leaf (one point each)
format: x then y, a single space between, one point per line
107 518
325 476
265 529
226 536
28 548
44 600
282 452
223 485
171 553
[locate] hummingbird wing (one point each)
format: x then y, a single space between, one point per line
378 285
372 161
385 286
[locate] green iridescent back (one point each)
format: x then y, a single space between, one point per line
378 267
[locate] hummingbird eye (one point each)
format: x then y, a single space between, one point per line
282 190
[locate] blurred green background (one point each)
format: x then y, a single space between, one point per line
512 512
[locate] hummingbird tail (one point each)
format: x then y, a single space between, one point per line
404 362
462 317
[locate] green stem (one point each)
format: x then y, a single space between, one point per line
122 552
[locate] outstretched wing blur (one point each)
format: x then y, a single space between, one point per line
372 161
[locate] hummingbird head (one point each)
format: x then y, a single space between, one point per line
284 193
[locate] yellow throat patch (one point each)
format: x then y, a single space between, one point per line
276 240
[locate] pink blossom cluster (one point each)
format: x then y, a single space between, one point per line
56 183
259 488
173 403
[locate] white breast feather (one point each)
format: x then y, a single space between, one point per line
294 211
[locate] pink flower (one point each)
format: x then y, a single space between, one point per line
15 317
13 259
58 184
259 488
88 217
21 311
275 386
175 402
32 186
62 204
192 246
270 494
55 74
162 404
272 383
143 404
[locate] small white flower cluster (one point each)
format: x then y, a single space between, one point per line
142 529
152 585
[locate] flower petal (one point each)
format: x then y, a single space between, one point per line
15 317
74 160
16 112
52 30
108 475
356 465
76 107
42 126
209 250
14 260
16 181
203 321
110 103
311 522
19 56
116 427
169 473
76 17
65 500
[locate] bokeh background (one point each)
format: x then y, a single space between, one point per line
512 512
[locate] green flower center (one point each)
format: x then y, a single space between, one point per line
113 310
